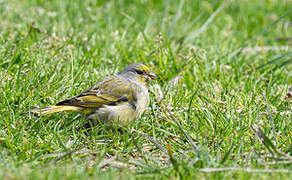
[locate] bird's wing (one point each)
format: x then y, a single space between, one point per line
110 91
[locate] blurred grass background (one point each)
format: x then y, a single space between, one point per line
217 62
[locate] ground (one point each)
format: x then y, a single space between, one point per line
221 99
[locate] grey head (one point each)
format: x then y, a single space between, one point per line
138 72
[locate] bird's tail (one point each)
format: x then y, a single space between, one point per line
54 109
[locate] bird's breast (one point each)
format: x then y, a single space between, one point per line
142 101
125 111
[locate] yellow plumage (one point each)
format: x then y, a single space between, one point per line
55 109
121 97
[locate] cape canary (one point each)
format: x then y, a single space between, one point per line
122 97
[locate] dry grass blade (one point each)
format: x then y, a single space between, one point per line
111 163
153 141
247 170
63 155
257 49
174 81
283 158
278 162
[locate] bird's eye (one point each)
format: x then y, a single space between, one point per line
139 72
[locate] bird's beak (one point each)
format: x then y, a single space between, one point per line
152 75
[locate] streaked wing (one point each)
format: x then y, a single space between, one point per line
110 91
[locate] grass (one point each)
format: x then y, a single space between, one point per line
218 101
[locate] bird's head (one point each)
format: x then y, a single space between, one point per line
138 72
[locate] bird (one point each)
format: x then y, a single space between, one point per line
117 98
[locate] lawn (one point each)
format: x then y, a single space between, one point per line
220 107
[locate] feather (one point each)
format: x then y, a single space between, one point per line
54 109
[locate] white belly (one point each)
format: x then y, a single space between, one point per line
124 112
